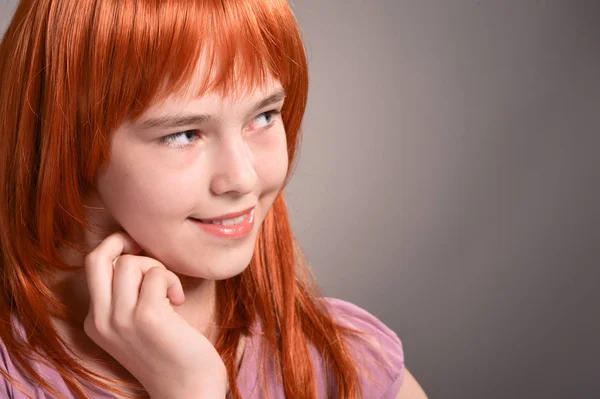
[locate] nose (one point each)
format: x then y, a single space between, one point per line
235 171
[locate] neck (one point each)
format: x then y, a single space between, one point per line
71 286
198 309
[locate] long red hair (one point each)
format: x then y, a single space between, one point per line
72 71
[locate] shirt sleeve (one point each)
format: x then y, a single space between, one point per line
6 390
382 363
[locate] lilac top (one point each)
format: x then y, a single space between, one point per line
386 366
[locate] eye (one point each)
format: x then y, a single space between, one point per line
263 120
181 139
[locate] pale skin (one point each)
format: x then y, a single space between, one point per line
147 296
152 186
410 388
142 330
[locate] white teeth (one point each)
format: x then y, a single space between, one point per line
229 222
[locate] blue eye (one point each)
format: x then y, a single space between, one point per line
188 137
263 120
267 116
181 139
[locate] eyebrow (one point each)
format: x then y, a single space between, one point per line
173 121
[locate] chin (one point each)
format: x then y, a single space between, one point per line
227 264
225 271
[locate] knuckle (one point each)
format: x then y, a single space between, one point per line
95 326
91 258
155 272
126 261
126 271
146 317
120 323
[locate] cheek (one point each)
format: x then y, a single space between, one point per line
272 160
142 192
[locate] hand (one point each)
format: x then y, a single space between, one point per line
131 317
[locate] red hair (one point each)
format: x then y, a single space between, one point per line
72 71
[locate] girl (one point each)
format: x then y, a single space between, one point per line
146 247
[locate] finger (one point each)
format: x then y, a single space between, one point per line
157 285
127 280
99 269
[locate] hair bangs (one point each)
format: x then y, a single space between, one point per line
72 72
193 48
141 52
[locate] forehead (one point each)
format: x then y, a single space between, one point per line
211 106
212 83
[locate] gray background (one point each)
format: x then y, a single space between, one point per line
448 183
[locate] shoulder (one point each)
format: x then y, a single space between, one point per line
28 386
6 390
381 357
10 367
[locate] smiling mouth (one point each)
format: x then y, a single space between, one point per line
236 227
225 222
235 217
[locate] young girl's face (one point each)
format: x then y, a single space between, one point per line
197 158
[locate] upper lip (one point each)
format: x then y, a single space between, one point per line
230 215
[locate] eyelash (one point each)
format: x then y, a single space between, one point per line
167 140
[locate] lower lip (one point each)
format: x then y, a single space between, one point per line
235 231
